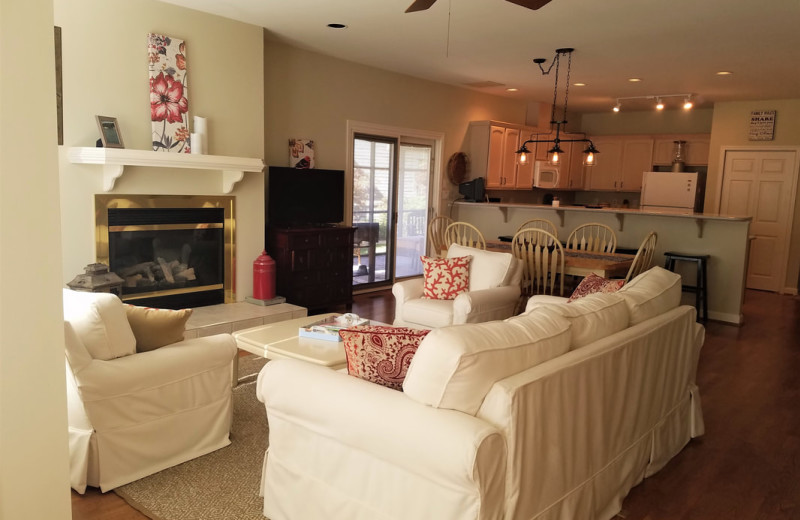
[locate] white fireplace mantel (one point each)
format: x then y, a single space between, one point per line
114 161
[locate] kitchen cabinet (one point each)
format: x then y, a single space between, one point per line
696 149
604 175
492 149
620 163
637 158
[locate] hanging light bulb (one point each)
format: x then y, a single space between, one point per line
617 106
659 104
589 158
522 154
687 103
554 155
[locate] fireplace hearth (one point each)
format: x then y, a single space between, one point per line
171 251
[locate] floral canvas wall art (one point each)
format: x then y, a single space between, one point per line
169 102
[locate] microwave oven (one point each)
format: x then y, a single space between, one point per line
545 175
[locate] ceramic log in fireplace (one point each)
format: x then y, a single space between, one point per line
171 251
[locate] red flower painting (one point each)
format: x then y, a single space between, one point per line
167 100
169 103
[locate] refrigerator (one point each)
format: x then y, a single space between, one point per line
672 192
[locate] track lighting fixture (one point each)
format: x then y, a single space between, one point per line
554 154
687 101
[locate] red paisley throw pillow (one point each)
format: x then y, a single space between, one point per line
381 354
445 278
595 284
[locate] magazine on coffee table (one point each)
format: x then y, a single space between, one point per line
328 328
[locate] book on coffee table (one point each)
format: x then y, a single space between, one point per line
328 329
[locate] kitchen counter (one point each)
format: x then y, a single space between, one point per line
619 213
723 237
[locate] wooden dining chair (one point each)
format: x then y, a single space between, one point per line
592 237
542 258
465 234
644 256
436 229
540 223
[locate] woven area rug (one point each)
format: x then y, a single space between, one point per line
221 485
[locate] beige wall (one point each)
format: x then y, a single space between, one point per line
312 96
105 72
730 127
34 480
695 121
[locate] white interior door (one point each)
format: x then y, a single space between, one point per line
761 184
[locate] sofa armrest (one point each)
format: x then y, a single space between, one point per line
486 305
405 291
386 425
152 371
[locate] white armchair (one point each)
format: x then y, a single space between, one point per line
132 414
493 293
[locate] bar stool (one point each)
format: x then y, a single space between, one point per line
701 288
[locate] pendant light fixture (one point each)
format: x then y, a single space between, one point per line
555 153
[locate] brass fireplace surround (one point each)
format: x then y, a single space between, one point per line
102 203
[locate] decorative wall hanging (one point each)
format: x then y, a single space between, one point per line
301 153
169 103
762 125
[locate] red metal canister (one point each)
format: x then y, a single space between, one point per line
264 277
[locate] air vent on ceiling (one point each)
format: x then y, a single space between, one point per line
484 84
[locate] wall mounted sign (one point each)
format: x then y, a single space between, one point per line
762 125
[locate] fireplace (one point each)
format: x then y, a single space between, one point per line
171 251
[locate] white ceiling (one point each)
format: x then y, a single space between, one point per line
675 46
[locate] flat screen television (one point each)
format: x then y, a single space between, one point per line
299 197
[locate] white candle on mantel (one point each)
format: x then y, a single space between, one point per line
200 125
198 143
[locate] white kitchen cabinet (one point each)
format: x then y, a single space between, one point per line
637 158
493 147
620 163
605 174
696 149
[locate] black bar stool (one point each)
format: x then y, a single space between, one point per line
701 289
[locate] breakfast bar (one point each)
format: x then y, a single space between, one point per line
723 238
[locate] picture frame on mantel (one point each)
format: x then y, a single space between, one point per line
109 132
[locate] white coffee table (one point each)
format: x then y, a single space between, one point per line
281 341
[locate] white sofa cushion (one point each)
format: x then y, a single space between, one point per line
592 317
653 292
433 313
100 322
487 269
456 366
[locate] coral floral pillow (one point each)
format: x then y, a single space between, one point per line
445 278
595 284
381 354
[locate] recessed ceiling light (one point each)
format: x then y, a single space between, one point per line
512 89
579 84
337 26
724 73
634 80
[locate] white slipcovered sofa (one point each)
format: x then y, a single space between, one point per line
132 413
493 293
553 414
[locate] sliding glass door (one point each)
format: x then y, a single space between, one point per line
374 165
391 200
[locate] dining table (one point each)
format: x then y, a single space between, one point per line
582 263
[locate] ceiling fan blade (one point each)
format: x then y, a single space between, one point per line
420 5
530 4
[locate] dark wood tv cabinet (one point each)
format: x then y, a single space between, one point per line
314 265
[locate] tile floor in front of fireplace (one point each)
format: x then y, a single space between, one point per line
230 317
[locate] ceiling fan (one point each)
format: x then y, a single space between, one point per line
421 5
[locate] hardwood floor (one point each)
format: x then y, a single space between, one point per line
746 466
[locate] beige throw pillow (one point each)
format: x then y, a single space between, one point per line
154 328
